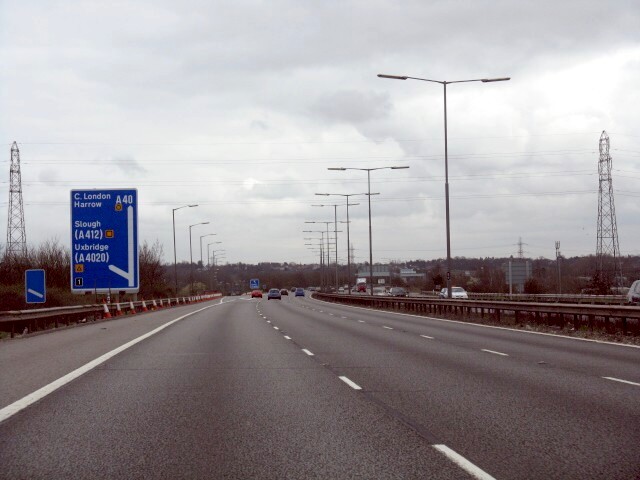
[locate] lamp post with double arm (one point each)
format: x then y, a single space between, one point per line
369 170
444 83
175 260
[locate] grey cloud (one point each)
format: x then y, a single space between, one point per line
351 106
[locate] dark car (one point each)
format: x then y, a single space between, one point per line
299 292
284 291
397 292
274 293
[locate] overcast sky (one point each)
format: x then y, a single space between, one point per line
241 106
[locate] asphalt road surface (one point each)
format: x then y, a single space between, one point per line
302 389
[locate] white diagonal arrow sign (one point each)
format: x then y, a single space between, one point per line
128 275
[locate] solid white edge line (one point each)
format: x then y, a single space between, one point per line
463 463
494 352
427 336
604 342
33 397
622 381
307 352
353 385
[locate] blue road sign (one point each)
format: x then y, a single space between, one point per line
35 286
104 241
254 283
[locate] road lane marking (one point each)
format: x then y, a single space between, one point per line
344 318
276 328
33 397
463 463
307 352
622 381
268 321
353 385
288 338
361 321
494 352
388 328
427 336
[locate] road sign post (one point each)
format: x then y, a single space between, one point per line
104 241
35 286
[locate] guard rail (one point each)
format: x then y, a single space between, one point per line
25 321
609 318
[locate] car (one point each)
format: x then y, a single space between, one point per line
256 294
274 293
456 292
397 292
284 291
633 296
299 292
341 290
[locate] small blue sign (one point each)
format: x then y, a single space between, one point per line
254 283
104 241
35 289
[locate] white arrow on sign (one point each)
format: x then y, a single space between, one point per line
127 275
33 292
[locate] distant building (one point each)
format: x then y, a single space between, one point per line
381 273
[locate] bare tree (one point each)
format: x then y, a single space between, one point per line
152 273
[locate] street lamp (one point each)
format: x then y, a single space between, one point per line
321 232
328 247
369 170
347 195
209 254
175 267
201 237
444 83
191 254
335 222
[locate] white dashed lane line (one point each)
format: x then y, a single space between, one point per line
388 328
276 328
361 321
307 352
427 336
494 352
287 337
353 385
463 463
622 381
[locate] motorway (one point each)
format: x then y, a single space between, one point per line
297 388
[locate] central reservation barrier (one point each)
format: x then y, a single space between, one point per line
623 319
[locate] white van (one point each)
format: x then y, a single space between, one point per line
633 296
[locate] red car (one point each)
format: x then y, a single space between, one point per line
256 293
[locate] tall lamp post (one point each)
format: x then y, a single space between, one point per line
175 262
191 254
444 83
201 237
321 232
335 223
328 248
369 170
208 253
347 195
